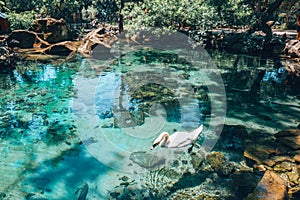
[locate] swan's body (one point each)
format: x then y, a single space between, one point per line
177 139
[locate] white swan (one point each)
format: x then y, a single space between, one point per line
177 139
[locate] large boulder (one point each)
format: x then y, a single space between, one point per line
271 186
52 30
292 48
219 163
24 39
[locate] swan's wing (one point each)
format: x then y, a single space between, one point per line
195 133
180 139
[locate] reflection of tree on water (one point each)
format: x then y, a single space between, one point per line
181 101
134 104
167 79
153 93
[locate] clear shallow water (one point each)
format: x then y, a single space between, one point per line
59 121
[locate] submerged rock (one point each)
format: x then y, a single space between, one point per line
290 138
219 163
147 160
197 158
271 186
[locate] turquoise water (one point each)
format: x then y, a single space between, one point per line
90 122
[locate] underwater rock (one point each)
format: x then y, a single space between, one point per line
293 176
147 160
32 196
125 119
290 138
271 186
115 194
219 163
245 182
197 158
260 151
192 193
282 158
283 167
232 138
124 178
2 195
297 157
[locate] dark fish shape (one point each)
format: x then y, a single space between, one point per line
147 160
83 192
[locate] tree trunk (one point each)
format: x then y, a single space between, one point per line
264 15
121 17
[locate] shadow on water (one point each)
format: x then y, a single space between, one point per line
62 176
262 92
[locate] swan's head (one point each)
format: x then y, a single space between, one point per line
162 140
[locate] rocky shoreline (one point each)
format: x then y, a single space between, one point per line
50 38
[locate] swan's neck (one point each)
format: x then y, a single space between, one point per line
165 139
162 140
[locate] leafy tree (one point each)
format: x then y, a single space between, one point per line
21 20
23 5
169 14
107 10
263 11
61 9
90 13
3 7
289 10
231 12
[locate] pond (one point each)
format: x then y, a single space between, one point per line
85 127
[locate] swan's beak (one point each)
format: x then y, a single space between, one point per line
154 145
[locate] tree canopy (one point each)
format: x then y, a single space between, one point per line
183 15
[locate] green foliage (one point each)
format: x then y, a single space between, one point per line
3 7
232 12
108 10
90 13
60 9
21 20
23 5
169 14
